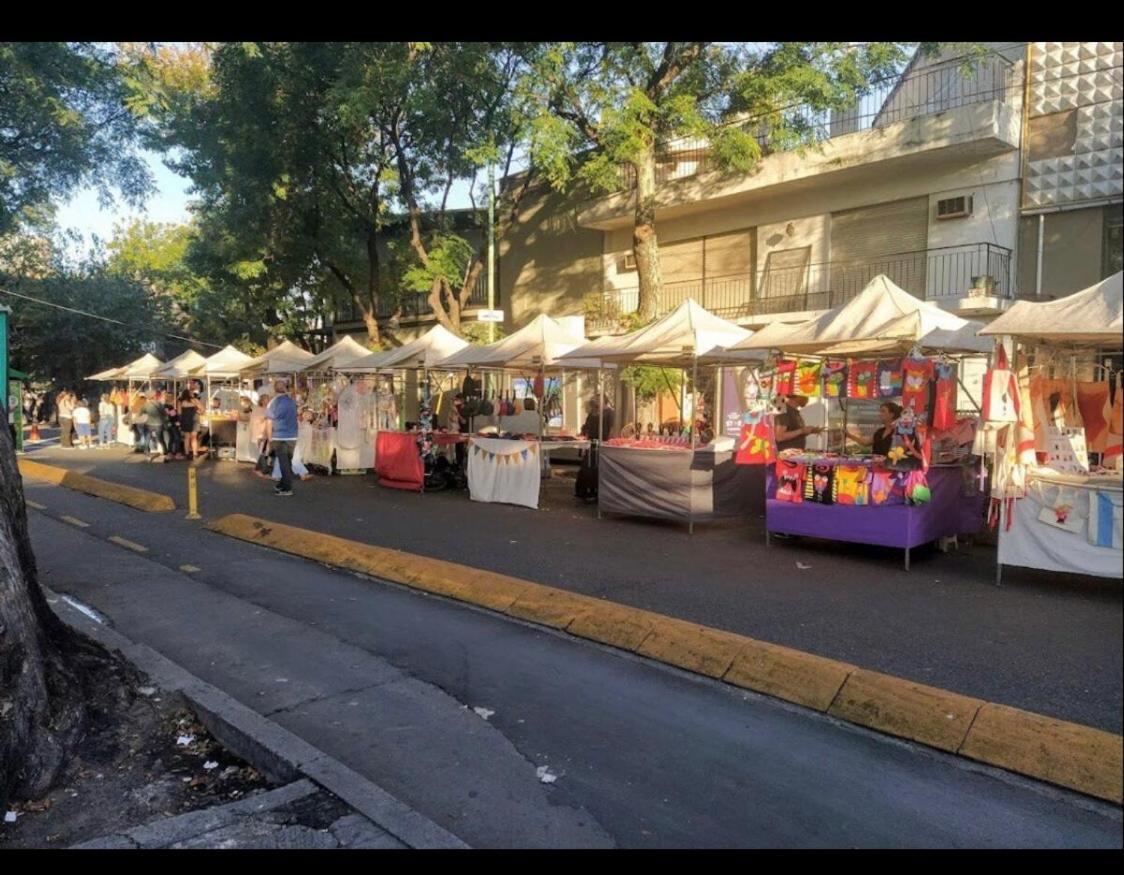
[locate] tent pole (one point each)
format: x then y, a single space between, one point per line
694 435
600 422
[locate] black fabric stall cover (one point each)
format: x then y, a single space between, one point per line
679 485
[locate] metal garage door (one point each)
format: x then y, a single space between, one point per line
884 238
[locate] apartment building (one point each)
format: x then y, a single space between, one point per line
968 182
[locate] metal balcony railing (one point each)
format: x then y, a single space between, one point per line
414 305
926 91
931 274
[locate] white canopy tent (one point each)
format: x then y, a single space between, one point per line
426 351
285 358
142 368
1094 316
180 367
881 318
539 344
338 356
225 364
108 375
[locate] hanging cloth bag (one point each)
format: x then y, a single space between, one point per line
1000 391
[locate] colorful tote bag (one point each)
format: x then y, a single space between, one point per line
808 379
819 484
1000 391
890 378
907 447
944 403
790 481
861 379
785 379
851 485
834 377
755 443
916 374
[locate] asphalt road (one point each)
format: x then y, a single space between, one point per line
1045 642
385 679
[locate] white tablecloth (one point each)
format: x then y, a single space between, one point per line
1032 543
504 471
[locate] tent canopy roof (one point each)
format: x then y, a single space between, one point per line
423 352
675 339
343 352
142 368
1092 316
284 358
179 367
225 363
107 374
881 318
540 343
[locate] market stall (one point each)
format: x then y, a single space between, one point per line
660 480
219 372
328 403
882 346
137 376
1058 424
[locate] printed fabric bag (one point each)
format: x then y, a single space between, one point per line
790 481
916 374
755 443
834 378
1061 508
861 379
944 405
819 484
851 486
890 378
886 487
1066 450
785 379
808 379
1000 392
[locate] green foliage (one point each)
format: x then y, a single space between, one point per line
477 332
63 125
649 381
449 257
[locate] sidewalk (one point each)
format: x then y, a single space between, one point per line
1046 643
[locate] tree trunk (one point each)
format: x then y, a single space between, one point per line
42 693
644 243
450 317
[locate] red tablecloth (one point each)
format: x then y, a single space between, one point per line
397 462
444 438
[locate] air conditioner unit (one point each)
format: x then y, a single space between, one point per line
954 207
630 261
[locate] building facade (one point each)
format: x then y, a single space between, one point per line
969 182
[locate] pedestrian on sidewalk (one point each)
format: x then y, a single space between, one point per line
66 419
156 419
81 418
190 408
281 429
107 421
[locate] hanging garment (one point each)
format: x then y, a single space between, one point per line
819 484
834 378
785 379
1114 446
890 378
1000 392
808 379
1106 519
1008 478
916 374
1092 399
1025 439
861 379
944 399
851 485
790 481
755 442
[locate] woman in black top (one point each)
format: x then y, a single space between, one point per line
883 437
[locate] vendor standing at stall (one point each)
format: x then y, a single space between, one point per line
791 432
592 429
882 439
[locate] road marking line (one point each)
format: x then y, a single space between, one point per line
34 504
190 569
74 521
130 545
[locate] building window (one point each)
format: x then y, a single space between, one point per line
1112 256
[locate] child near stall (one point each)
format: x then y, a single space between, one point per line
81 418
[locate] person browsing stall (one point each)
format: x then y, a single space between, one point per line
791 432
281 431
881 440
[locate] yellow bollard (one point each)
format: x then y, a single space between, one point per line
192 495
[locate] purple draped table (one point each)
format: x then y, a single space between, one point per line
904 526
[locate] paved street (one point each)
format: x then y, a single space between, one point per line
387 680
1048 643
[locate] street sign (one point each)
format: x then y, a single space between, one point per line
490 315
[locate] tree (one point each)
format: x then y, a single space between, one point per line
604 106
63 125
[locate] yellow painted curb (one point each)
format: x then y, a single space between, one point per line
687 645
930 715
141 499
792 675
1079 757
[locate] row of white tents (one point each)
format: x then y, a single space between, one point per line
881 319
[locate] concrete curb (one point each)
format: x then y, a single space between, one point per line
141 499
269 747
1077 757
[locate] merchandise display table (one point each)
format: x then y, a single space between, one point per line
316 444
504 471
950 512
678 483
397 461
1066 522
224 430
